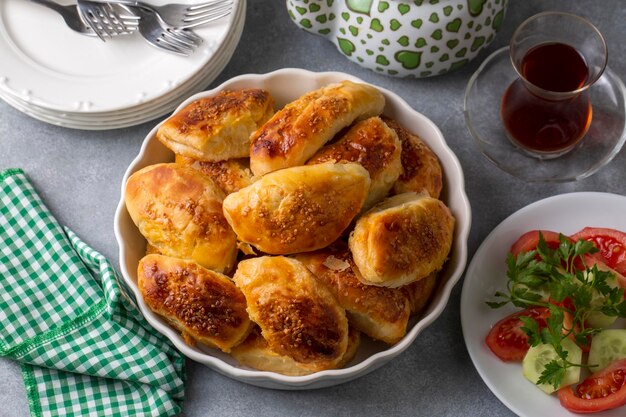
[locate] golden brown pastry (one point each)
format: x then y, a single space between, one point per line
303 126
402 240
379 312
354 341
204 305
255 353
419 292
421 170
179 211
376 147
230 176
151 249
298 209
217 128
298 316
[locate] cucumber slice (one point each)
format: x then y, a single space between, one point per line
607 347
600 320
538 356
543 292
597 319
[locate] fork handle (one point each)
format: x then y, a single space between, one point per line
50 4
134 3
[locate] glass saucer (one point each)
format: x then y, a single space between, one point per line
602 142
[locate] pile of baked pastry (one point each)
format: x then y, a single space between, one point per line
280 237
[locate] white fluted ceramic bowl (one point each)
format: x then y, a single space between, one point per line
286 85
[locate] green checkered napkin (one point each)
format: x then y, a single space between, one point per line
85 349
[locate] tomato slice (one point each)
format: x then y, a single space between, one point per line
507 340
529 240
610 242
600 263
603 390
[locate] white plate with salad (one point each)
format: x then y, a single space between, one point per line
593 216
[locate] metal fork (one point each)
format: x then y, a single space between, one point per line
73 20
106 19
184 16
163 36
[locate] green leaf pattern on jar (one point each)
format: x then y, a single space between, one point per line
418 38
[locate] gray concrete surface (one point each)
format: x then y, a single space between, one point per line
78 173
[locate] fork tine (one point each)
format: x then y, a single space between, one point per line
103 17
208 7
173 44
120 23
160 43
129 18
127 26
105 28
176 39
165 36
88 19
204 21
190 35
189 17
124 22
208 4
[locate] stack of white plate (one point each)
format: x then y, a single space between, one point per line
64 78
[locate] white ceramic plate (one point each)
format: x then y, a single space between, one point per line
147 111
56 68
285 86
566 213
222 53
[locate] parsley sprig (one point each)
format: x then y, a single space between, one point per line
560 280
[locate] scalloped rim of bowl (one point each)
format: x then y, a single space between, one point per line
455 197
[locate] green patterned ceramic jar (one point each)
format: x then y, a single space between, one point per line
418 38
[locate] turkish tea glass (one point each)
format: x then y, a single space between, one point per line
557 56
